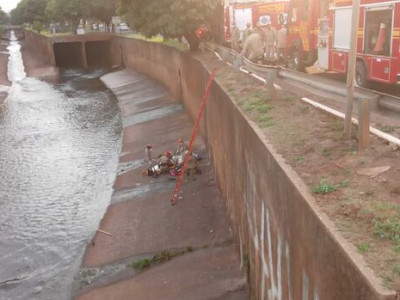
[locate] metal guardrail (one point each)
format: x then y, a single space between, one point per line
324 84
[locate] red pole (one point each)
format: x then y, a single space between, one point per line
174 198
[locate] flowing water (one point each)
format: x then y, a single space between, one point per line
59 147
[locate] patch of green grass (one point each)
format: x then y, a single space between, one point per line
299 158
382 206
325 187
158 258
142 264
387 229
258 94
345 183
362 163
396 248
263 118
396 269
363 247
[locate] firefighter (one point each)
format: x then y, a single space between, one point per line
165 162
148 154
246 32
182 147
281 43
253 48
270 41
235 36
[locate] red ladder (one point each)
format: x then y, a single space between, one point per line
174 198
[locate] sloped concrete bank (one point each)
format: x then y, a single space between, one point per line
293 249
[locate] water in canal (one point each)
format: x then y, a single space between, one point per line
59 147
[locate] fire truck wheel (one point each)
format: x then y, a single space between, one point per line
361 75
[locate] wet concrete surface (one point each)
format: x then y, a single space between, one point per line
142 222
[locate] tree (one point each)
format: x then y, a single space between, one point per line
170 18
101 10
29 11
3 17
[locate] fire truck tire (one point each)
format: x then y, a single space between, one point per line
361 74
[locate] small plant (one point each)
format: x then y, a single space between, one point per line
299 158
141 264
324 187
386 229
363 247
189 248
263 119
345 183
396 269
396 248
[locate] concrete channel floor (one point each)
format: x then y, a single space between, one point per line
142 221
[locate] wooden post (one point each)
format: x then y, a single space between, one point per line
351 68
363 123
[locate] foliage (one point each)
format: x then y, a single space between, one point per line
4 19
387 229
158 258
37 26
364 247
28 11
324 187
170 18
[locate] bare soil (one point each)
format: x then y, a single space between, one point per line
365 208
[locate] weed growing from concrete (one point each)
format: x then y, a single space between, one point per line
325 187
363 247
156 259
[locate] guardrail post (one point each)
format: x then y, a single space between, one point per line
363 123
237 61
270 79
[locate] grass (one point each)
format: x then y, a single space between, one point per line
299 158
396 270
387 229
325 187
364 247
159 39
158 258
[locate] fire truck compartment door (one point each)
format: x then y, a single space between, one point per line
341 30
323 43
243 16
380 69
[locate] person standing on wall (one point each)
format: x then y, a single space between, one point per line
270 42
281 43
246 32
235 36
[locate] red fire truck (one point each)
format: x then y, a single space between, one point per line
320 31
378 40
255 13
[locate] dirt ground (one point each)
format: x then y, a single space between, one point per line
358 190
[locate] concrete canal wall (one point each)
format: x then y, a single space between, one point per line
292 249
